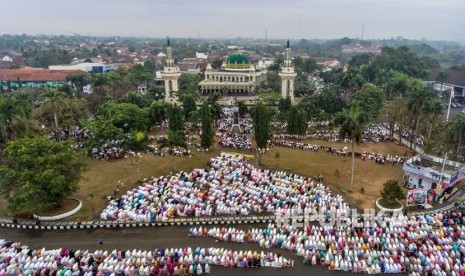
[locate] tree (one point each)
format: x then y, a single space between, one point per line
296 121
261 126
40 173
126 116
351 80
102 129
418 98
56 100
457 130
216 110
206 136
158 111
188 105
442 77
138 142
352 123
71 112
370 98
13 113
284 104
175 118
392 191
176 138
139 74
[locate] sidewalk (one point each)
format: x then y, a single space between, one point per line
405 142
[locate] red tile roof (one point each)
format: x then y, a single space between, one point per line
36 74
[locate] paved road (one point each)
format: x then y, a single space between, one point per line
404 141
146 238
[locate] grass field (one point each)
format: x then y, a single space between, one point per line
336 170
103 176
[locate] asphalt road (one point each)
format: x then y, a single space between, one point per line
147 238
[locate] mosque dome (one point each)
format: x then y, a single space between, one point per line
238 60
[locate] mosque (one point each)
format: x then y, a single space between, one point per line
236 77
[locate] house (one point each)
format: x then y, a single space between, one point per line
456 81
34 77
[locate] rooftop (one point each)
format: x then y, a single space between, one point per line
457 77
36 74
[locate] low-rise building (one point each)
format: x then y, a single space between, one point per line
432 173
34 77
85 67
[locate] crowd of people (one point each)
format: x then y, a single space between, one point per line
77 134
231 186
431 244
227 120
112 149
16 259
378 158
235 141
407 134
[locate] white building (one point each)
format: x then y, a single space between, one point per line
85 67
237 77
201 55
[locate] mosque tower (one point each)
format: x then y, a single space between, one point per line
287 75
170 75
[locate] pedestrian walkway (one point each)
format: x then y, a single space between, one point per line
396 136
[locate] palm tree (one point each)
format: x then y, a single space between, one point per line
56 99
434 109
442 77
352 123
175 138
418 98
12 114
458 130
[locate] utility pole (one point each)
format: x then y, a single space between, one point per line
450 101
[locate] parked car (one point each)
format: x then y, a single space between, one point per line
453 105
458 105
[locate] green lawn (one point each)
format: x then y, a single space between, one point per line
102 176
336 170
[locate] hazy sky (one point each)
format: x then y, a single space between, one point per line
416 19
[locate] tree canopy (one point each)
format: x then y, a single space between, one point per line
39 173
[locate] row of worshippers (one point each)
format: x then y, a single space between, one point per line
16 259
430 244
230 186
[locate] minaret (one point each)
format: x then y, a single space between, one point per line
170 75
287 75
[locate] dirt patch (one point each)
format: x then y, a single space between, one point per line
386 204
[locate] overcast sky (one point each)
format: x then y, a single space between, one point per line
414 19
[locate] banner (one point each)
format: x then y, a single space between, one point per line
417 197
